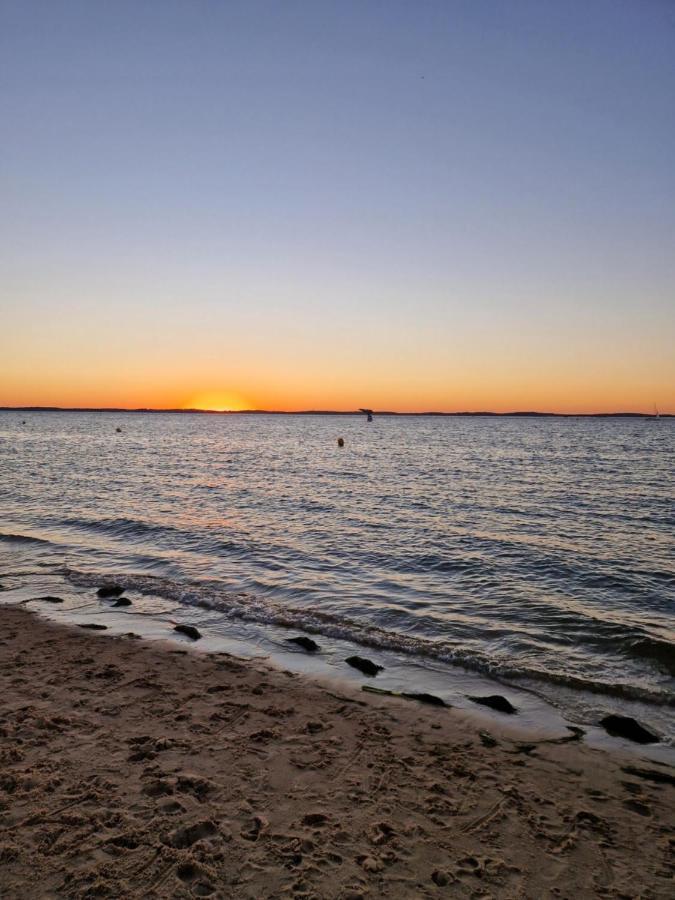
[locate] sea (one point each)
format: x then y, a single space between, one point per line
527 556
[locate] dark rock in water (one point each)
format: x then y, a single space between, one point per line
626 727
109 590
495 701
306 643
430 699
188 630
364 665
49 599
92 626
122 601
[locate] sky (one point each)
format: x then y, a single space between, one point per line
412 205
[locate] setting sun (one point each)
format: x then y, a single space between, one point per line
218 401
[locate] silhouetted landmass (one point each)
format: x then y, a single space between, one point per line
333 412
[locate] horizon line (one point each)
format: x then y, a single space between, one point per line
327 412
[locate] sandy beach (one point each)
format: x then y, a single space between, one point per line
132 769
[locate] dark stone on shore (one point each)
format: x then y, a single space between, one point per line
109 590
188 630
122 601
495 701
306 643
650 775
49 599
626 727
364 665
92 626
429 699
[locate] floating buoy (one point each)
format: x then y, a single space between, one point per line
118 430
341 442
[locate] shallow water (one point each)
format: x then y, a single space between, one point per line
537 550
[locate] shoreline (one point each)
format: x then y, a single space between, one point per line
151 616
138 768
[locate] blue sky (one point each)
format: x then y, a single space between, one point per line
449 203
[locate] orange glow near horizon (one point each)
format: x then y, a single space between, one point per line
218 401
277 371
546 396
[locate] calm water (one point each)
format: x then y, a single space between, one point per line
540 550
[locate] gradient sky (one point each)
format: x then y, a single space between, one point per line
405 205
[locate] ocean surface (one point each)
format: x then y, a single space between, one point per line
538 551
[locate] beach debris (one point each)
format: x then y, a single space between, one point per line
122 601
496 701
92 626
49 599
650 775
109 590
627 727
486 739
188 630
364 665
429 699
341 442
306 643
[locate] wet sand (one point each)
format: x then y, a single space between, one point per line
136 769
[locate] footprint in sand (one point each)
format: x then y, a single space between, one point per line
195 876
380 833
187 835
198 787
171 807
159 787
642 809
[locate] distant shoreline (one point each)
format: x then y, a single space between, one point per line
332 412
